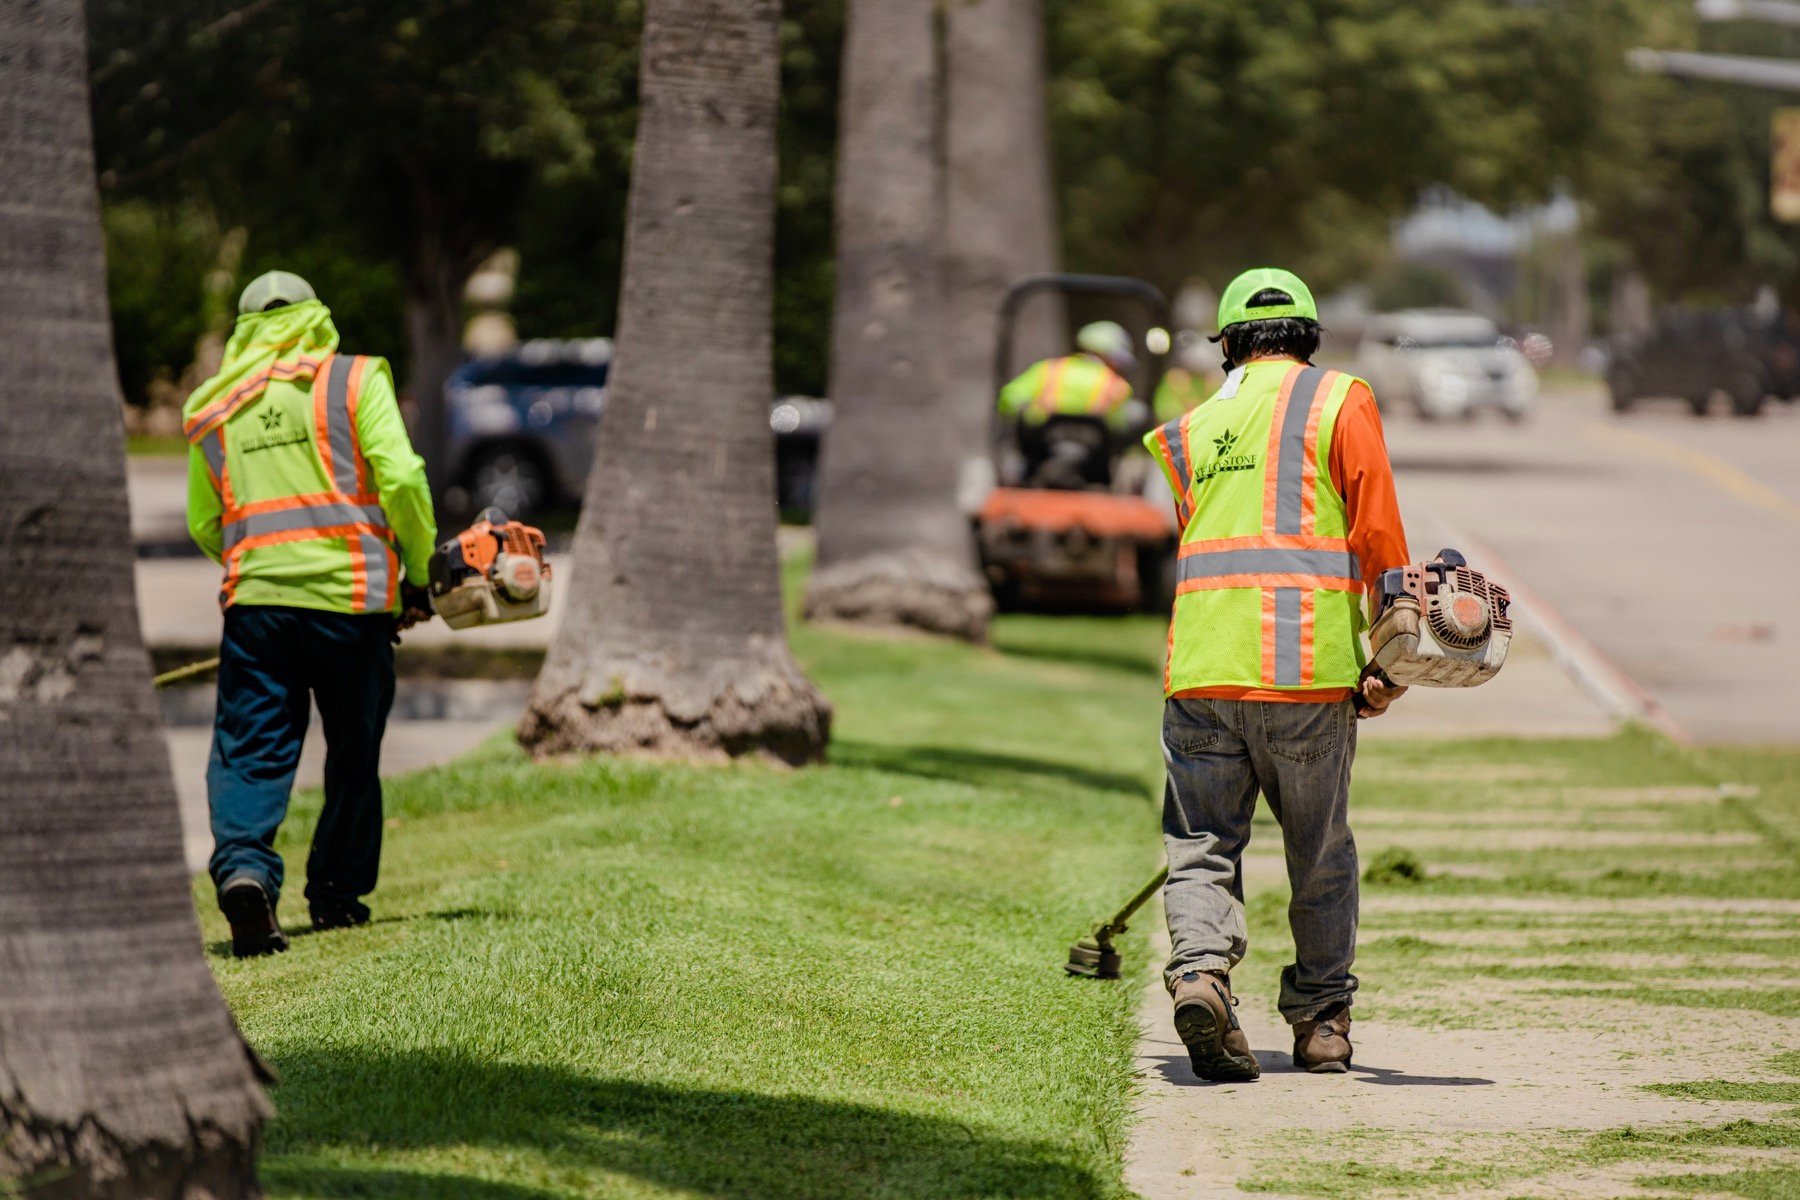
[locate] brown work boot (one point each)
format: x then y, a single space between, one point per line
1209 1029
1322 1044
254 929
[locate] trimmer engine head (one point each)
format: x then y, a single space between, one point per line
1440 624
491 572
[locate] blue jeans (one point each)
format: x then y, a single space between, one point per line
270 660
1220 754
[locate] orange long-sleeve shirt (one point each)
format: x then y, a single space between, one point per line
1365 479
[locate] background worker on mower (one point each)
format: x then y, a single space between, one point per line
1285 501
303 485
1071 415
1096 381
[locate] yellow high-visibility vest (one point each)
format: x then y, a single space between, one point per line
1268 592
1076 385
302 481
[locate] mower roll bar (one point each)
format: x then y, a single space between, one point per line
1116 286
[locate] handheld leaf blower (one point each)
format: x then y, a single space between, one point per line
493 571
1437 624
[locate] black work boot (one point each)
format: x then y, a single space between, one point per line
338 914
1208 1027
254 930
1322 1045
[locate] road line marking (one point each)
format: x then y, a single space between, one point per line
1729 478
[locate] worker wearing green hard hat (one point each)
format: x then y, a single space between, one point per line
1247 299
1287 517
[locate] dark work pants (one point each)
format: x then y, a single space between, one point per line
1220 754
270 660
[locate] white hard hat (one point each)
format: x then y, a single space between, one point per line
273 289
1106 339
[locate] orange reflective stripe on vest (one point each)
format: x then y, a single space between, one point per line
219 411
1173 440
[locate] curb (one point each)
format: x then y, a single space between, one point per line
1621 696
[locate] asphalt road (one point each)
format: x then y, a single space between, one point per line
1670 543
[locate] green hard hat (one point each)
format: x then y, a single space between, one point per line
272 289
1234 305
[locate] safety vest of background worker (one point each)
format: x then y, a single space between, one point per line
1187 384
303 484
1095 382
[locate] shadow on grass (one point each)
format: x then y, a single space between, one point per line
1076 654
981 768
323 1178
727 1144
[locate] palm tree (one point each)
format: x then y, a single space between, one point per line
121 1074
1000 206
893 547
675 642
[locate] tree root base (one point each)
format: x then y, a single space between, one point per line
892 591
766 709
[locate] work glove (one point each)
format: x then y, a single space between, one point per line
415 607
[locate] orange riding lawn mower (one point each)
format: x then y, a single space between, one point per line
1071 513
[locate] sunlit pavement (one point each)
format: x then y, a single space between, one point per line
1670 543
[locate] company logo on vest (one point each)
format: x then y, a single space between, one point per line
1224 460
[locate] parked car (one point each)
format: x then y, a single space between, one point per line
1699 354
1445 363
522 428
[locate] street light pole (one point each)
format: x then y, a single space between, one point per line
1778 74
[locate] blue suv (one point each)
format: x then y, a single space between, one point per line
522 428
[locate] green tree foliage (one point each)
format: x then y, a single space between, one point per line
1195 136
389 149
1680 187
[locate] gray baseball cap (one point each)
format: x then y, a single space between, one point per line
273 289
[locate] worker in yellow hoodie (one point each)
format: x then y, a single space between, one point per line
303 485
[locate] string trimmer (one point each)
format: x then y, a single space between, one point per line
1095 956
1437 624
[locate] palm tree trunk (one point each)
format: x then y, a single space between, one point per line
121 1074
893 548
1000 203
675 643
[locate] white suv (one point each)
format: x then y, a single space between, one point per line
1445 363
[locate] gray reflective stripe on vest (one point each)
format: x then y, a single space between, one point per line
1332 564
375 564
213 446
337 423
1178 459
1290 483
1287 637
312 516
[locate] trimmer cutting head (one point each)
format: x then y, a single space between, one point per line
1094 957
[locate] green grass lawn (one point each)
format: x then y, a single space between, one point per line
612 978
618 979
155 445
